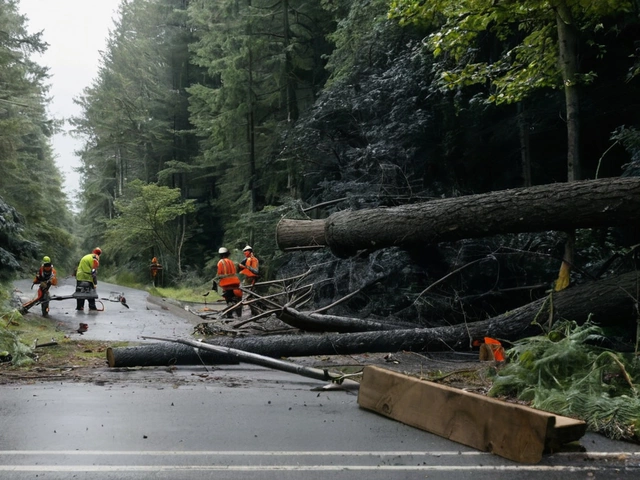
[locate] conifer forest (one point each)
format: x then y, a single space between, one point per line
379 146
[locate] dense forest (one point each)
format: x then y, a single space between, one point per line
212 120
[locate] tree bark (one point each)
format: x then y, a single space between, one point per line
331 323
156 355
608 302
561 206
568 64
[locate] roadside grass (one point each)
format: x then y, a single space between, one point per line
186 294
68 352
192 291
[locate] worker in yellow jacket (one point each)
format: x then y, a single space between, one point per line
87 279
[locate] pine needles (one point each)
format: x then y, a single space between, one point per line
565 373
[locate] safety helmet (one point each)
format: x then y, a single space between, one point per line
46 259
97 251
222 250
248 247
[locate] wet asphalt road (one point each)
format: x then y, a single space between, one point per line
233 422
116 322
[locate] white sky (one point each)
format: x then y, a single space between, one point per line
76 31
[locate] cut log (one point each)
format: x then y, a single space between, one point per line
607 302
560 206
300 233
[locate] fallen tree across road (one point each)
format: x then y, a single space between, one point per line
606 302
559 206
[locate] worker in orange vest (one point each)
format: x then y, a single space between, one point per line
249 267
228 281
46 273
490 349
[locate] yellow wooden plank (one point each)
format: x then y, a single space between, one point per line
512 431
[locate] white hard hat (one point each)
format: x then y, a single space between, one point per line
248 247
222 250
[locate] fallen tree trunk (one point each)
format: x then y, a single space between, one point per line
314 322
248 357
164 355
559 206
607 302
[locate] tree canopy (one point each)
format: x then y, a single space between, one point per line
30 182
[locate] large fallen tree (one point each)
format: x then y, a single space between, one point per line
559 206
609 302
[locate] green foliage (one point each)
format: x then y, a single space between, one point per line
149 218
10 342
29 179
565 373
135 126
14 246
263 66
521 36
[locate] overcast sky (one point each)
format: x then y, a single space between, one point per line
76 31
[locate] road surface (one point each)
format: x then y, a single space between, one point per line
234 422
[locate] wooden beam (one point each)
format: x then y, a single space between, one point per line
510 430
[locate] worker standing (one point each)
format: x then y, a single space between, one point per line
249 267
45 277
154 268
228 280
87 279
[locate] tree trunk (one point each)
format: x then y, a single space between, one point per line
561 206
291 234
568 64
331 323
607 302
154 355
525 146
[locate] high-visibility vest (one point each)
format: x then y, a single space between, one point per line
496 348
227 274
46 273
251 262
87 263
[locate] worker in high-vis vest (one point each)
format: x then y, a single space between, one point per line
87 279
249 267
228 280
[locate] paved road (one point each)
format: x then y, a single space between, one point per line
145 316
235 422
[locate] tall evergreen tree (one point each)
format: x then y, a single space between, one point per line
134 120
29 178
263 61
